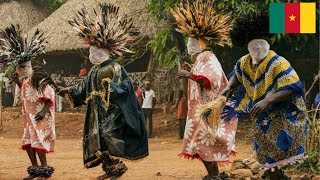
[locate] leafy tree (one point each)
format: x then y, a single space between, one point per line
167 45
53 4
165 42
3 1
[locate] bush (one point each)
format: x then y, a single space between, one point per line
52 4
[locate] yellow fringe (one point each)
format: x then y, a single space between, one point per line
211 112
98 154
103 94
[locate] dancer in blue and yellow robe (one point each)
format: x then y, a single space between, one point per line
273 95
270 94
279 131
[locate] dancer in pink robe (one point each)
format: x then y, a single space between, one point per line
37 97
39 135
206 83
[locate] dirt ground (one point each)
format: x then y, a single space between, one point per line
70 124
67 160
162 163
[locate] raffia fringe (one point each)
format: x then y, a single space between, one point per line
290 161
23 147
211 112
104 95
196 156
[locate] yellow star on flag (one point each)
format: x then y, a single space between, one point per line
292 17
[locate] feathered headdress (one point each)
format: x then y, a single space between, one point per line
199 20
253 25
15 49
109 31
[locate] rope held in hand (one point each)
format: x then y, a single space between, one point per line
104 94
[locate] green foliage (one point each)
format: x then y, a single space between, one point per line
160 8
237 8
305 44
138 50
165 45
164 48
3 1
52 4
130 57
310 165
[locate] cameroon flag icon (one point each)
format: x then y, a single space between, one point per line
292 17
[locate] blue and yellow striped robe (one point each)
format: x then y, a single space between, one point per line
279 132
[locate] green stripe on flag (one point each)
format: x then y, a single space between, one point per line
276 18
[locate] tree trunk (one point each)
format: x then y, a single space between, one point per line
179 37
151 69
182 49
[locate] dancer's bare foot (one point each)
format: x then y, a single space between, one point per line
224 176
208 177
212 168
41 178
102 177
32 171
29 177
277 174
113 171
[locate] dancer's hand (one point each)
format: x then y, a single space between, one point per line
14 78
105 82
40 115
226 92
201 82
183 74
186 66
259 108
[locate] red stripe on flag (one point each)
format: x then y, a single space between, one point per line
292 17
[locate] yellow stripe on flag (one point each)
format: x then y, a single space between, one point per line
307 17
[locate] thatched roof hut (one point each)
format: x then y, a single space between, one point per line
64 46
61 37
22 12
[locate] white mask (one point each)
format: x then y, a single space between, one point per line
258 50
98 55
24 70
193 46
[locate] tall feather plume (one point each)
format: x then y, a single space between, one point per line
109 30
15 49
199 20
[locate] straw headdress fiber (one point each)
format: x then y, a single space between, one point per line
201 21
109 30
16 48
